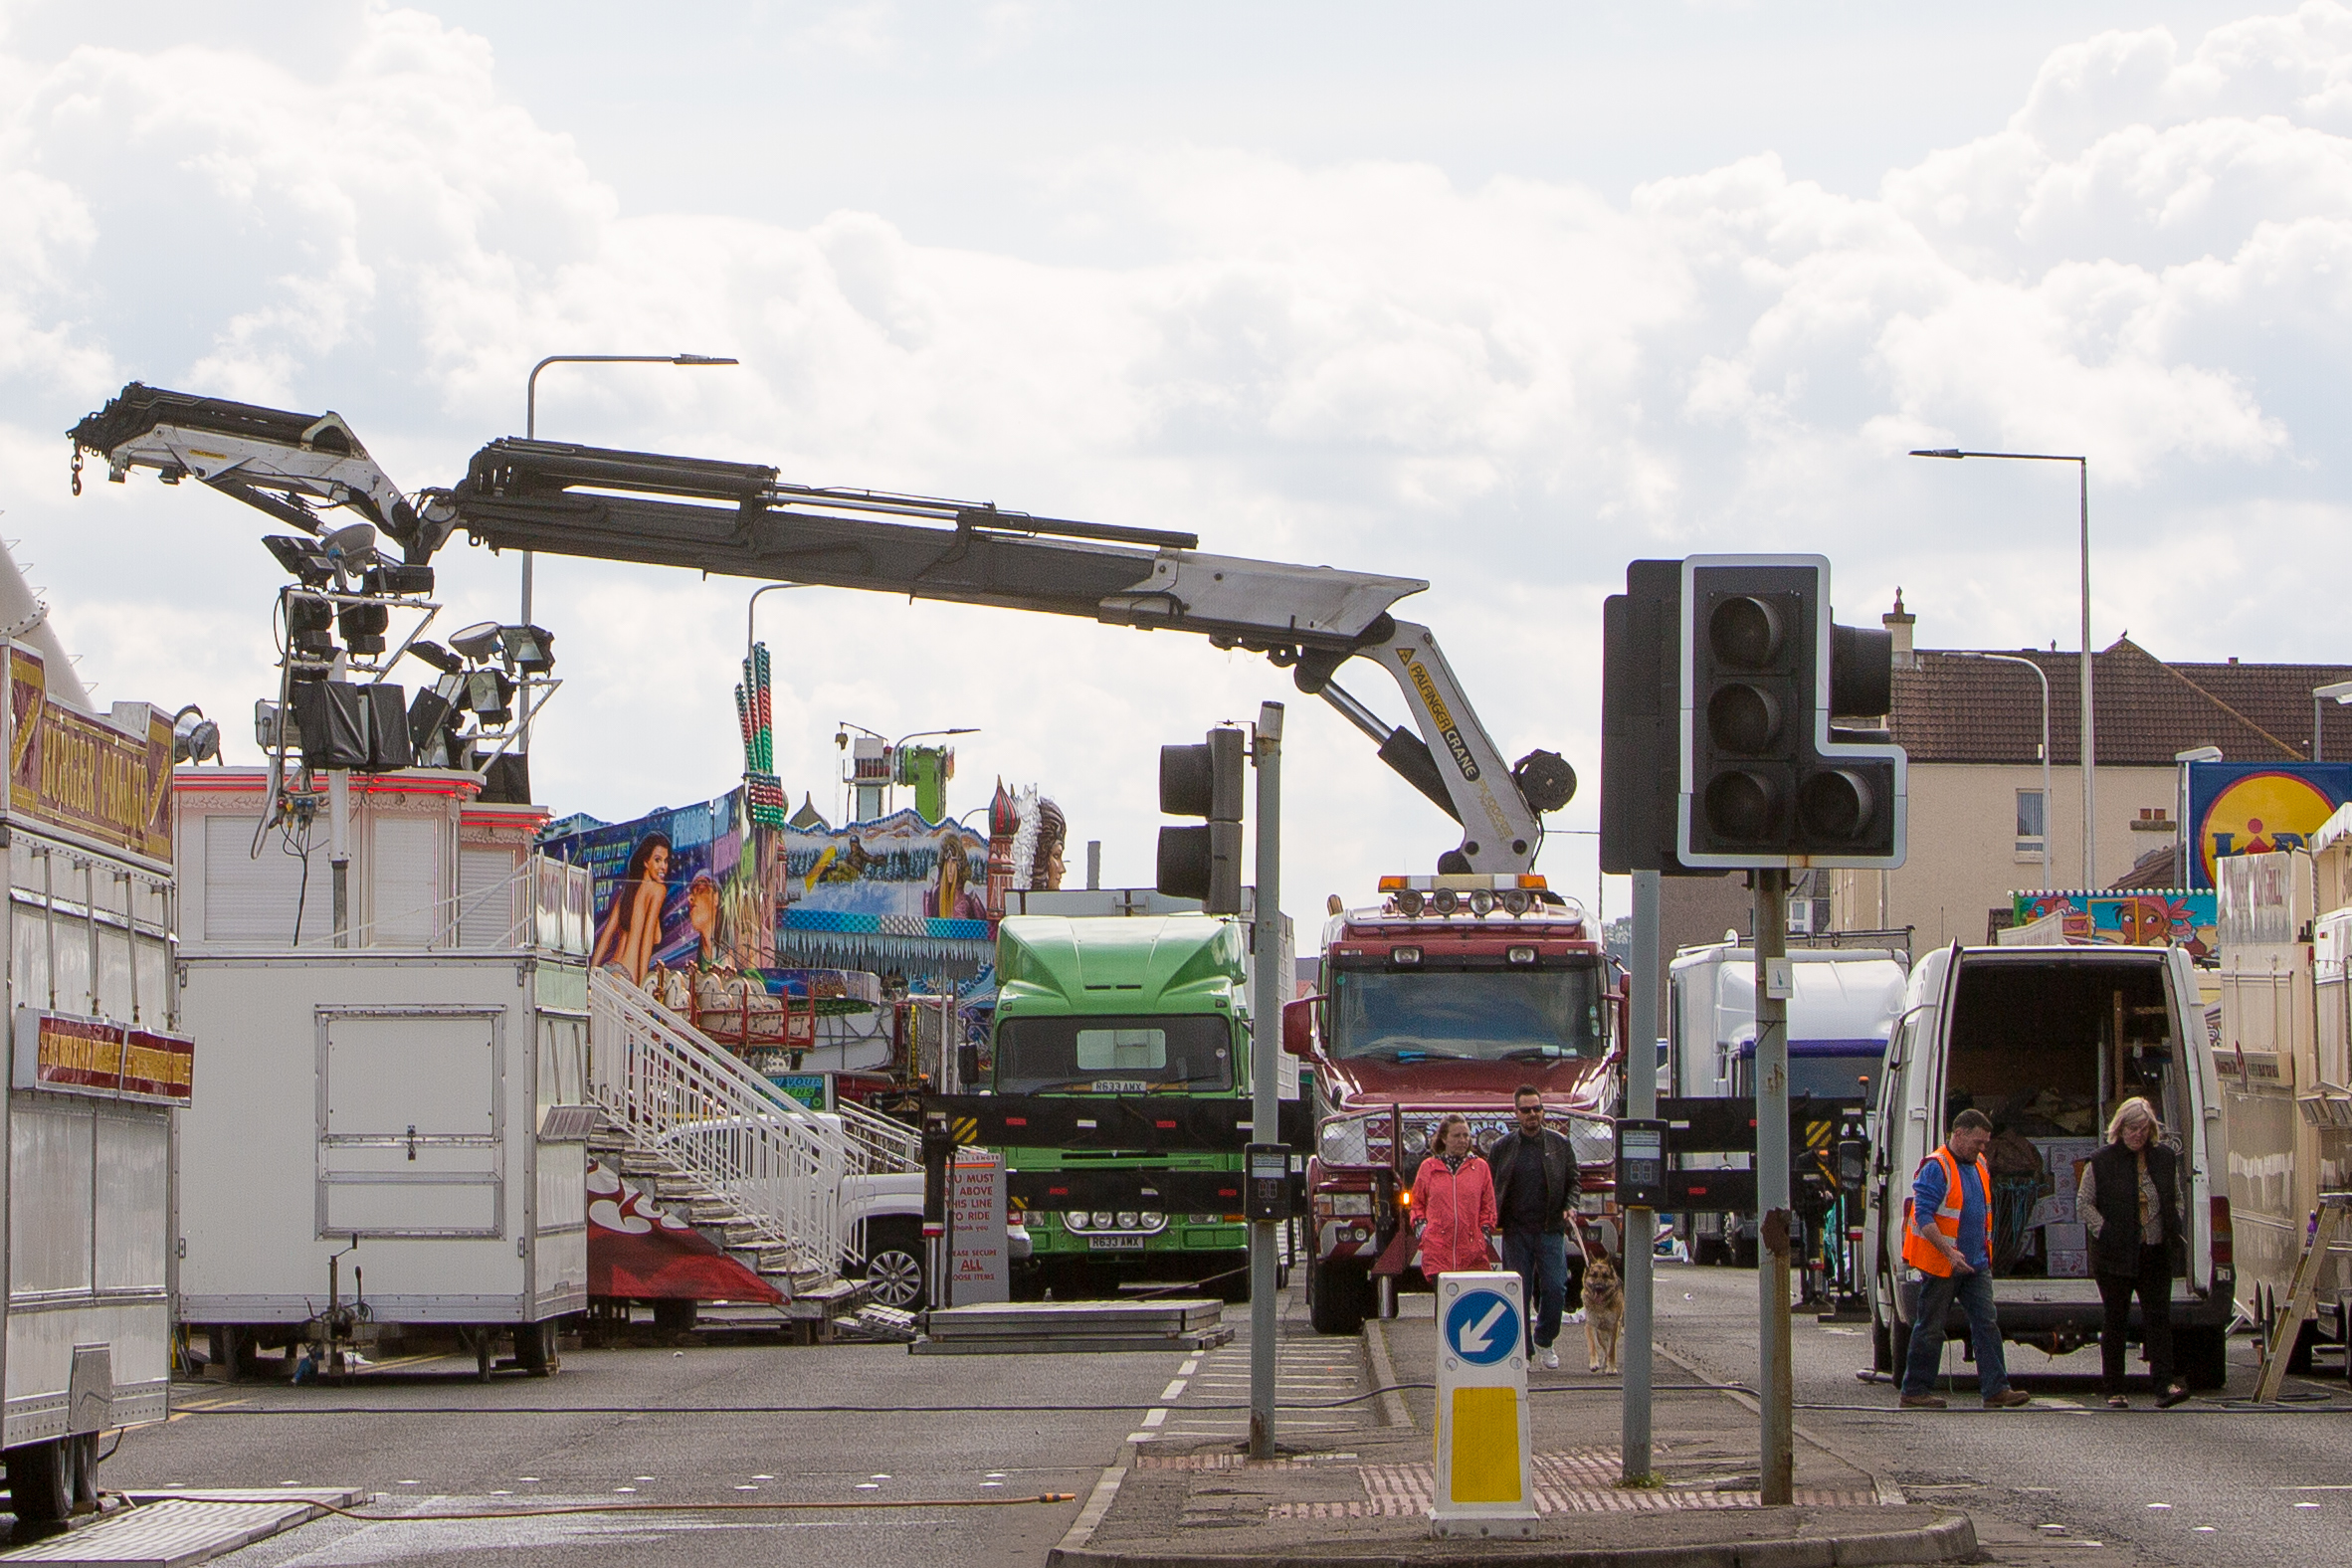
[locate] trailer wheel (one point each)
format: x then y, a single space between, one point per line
86 1468
535 1348
2203 1355
1335 1296
41 1480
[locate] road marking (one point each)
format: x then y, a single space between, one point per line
1174 1390
1152 1417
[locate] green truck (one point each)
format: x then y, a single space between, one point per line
1148 1016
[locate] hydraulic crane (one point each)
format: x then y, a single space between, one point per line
741 519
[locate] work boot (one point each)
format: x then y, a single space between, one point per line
2008 1398
1923 1402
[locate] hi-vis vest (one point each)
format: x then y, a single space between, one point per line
1919 1251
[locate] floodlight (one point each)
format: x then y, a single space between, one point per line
362 625
351 547
266 720
530 649
490 693
300 557
193 736
438 657
478 641
394 578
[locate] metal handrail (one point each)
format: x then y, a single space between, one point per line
671 1090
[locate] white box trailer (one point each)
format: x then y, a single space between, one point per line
397 1135
99 1065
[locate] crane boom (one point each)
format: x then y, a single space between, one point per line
741 519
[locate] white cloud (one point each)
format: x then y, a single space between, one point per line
1508 388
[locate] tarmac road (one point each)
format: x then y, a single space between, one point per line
2201 1483
612 1426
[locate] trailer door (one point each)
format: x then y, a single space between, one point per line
411 1121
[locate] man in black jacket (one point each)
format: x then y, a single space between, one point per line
1535 1181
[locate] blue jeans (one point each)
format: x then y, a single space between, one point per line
1975 1294
1539 1258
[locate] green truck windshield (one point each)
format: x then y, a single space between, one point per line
1414 1015
1185 1051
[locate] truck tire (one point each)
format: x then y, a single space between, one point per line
86 1468
41 1480
1335 1296
894 1267
2203 1356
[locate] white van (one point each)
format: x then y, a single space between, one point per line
1845 1002
2046 1042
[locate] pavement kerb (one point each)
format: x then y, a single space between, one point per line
1081 1529
1890 1495
1393 1410
1950 1540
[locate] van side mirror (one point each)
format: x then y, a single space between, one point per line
1299 1026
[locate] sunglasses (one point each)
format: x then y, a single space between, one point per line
1530 1110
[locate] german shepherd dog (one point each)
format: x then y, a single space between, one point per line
1604 1315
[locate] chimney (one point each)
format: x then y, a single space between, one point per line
1898 624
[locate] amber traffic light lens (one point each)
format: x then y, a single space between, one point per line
1743 718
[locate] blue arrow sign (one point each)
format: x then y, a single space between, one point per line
1482 1327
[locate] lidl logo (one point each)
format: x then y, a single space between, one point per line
2259 812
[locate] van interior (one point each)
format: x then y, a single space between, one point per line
2047 1051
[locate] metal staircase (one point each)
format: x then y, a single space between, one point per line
739 1158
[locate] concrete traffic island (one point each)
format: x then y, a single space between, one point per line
1365 1499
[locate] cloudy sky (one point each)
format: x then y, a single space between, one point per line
1497 296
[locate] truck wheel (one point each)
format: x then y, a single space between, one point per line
894 1263
2203 1354
41 1481
86 1468
1335 1296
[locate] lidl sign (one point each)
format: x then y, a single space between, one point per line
2252 808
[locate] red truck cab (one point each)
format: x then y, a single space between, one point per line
1446 997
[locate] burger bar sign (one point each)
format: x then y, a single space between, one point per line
68 1055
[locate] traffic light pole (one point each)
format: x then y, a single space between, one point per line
1270 989
1640 1225
1775 1384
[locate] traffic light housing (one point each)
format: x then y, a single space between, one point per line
1765 779
1204 861
1641 704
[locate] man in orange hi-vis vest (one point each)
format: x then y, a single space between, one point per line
1949 1240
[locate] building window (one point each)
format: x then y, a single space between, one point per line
2033 824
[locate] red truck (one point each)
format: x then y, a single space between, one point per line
1446 997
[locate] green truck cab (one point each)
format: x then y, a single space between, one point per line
1127 1007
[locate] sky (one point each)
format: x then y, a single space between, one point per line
1499 297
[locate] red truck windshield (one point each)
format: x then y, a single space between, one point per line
1414 1015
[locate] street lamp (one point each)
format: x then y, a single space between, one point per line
531 432
2048 832
2341 692
754 604
2090 749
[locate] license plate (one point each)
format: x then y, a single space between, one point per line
1115 1244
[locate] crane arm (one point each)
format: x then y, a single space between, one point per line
741 519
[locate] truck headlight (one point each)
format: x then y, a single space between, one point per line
1343 1142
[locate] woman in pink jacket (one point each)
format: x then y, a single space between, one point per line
1453 1195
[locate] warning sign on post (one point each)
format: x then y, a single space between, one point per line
980 1266
1482 1481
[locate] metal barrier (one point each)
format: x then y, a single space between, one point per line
780 1165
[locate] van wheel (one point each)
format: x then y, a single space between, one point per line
1898 1346
1335 1296
41 1479
2203 1355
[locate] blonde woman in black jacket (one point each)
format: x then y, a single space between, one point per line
2126 1200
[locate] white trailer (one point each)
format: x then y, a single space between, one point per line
1844 1006
99 1065
397 1133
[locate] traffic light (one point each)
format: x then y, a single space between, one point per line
1765 779
1204 861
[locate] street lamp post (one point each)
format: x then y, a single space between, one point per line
2049 826
2340 692
2090 749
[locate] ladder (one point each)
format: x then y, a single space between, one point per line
2287 1325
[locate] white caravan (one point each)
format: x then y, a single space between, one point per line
396 1133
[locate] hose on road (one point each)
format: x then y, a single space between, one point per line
651 1507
